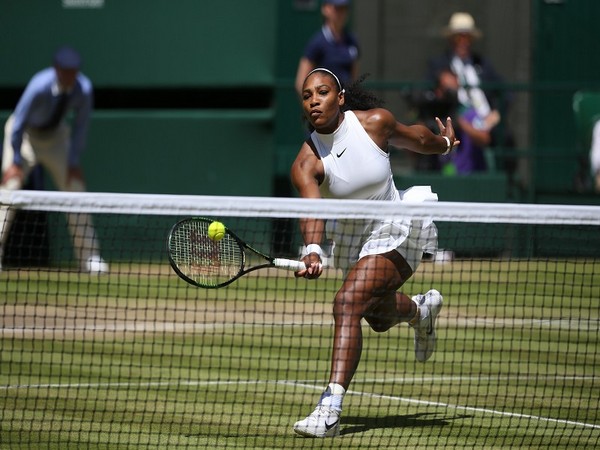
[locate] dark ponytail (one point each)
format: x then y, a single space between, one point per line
358 98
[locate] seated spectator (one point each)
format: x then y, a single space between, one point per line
473 130
474 71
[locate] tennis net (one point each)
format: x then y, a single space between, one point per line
138 358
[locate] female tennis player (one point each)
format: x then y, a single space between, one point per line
346 156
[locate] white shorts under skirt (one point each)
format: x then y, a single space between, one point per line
355 239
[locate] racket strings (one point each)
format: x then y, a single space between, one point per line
203 260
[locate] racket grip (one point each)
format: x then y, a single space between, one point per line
289 264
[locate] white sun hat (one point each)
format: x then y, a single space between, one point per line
461 22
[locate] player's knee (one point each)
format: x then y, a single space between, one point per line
346 307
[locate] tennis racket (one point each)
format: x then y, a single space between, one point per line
208 263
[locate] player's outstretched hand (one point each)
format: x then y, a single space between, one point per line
447 129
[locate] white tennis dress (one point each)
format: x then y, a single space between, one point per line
356 168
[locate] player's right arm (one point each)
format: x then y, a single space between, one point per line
306 174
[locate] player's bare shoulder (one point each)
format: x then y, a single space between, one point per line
378 117
378 122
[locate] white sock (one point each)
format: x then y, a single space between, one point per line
333 396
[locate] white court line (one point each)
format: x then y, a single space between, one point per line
129 385
451 406
320 388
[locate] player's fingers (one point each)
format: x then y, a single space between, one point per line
440 125
300 273
314 270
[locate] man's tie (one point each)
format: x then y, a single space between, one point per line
57 113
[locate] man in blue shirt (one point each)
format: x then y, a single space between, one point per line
333 47
37 133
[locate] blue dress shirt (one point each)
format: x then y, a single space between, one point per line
37 103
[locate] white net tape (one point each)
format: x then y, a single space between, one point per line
162 204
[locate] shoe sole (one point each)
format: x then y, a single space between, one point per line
330 433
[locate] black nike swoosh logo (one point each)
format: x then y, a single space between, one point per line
329 426
430 326
339 155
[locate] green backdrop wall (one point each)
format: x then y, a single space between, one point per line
144 43
181 152
195 152
564 48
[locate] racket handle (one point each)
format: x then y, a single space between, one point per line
289 264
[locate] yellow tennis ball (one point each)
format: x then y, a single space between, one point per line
216 231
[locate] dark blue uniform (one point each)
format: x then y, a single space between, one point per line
338 56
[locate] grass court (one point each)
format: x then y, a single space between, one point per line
139 359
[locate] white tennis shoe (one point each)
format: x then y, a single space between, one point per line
429 305
322 422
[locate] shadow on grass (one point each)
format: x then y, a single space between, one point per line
354 424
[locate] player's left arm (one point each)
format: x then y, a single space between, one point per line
417 138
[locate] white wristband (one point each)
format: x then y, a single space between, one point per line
448 145
314 248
